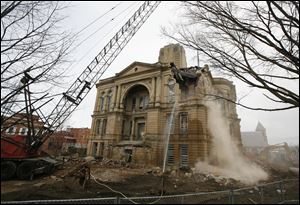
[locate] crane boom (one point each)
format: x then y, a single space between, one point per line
20 154
89 77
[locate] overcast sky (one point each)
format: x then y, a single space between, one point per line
281 126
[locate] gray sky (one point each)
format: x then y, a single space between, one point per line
144 47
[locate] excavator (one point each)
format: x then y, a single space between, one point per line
278 153
21 155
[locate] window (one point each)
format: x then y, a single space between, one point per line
103 130
101 103
171 91
109 100
140 131
133 104
183 123
184 157
23 131
126 129
94 149
170 154
11 130
98 122
143 102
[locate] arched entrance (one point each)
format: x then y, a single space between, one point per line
135 104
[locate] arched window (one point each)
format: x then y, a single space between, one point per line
171 90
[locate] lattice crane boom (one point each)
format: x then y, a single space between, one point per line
91 75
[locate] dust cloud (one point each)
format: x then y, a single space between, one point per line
225 158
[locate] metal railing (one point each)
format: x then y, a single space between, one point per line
279 192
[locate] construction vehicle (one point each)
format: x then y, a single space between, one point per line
21 155
278 154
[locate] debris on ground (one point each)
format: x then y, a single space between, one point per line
80 178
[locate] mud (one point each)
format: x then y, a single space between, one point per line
130 180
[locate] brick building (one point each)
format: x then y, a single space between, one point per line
62 141
134 109
17 125
81 136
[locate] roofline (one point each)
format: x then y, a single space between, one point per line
135 63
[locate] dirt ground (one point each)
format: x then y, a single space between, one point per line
132 180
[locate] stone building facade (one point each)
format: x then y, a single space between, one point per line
255 141
137 109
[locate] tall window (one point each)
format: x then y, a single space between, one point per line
184 155
183 123
143 102
170 154
103 130
133 104
109 100
171 90
97 131
101 103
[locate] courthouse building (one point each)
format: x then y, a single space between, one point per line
137 108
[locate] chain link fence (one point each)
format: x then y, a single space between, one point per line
279 192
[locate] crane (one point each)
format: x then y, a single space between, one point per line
20 156
283 147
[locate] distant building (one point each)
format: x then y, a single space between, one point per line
62 141
256 140
18 125
81 136
133 111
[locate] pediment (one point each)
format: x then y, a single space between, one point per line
137 67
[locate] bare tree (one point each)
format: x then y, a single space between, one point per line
256 42
32 44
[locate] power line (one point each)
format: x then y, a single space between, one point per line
111 20
102 39
98 18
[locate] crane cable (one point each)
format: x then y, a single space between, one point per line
106 23
134 202
98 18
97 43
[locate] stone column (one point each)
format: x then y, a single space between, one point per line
132 129
114 97
105 101
152 94
98 149
118 96
89 148
93 126
158 91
